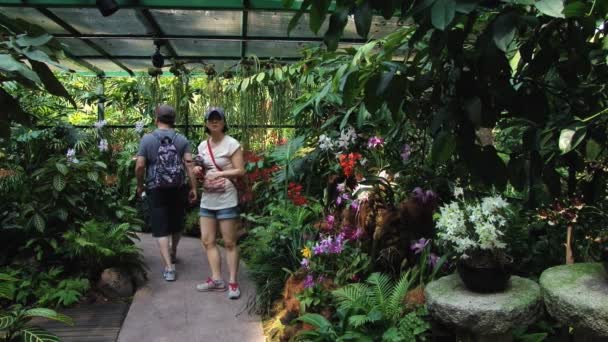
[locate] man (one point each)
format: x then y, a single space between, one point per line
163 160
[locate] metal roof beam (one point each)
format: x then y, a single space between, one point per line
209 37
94 46
147 19
244 20
195 59
219 5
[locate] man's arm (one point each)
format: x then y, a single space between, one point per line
140 173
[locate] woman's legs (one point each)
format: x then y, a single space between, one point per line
229 235
208 233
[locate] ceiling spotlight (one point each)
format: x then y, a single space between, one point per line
157 58
106 7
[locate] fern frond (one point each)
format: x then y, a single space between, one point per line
380 289
395 301
352 297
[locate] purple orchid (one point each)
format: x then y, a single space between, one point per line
428 197
433 258
374 142
419 245
330 219
305 263
309 281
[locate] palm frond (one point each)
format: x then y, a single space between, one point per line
352 297
394 305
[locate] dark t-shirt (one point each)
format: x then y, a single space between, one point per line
148 148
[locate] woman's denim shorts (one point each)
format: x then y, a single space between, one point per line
221 214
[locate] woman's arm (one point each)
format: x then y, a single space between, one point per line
238 165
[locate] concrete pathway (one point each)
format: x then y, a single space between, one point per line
174 311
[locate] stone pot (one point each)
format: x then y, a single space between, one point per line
485 277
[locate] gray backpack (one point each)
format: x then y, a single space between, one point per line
169 169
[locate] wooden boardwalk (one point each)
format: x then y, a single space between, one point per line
92 323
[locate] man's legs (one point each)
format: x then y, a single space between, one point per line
174 242
163 245
159 220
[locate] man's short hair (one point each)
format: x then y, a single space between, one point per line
165 114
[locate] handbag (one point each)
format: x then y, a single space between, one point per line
238 185
216 185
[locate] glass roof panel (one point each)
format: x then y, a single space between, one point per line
274 24
127 47
265 49
90 21
188 22
77 47
204 47
137 65
33 16
68 63
104 64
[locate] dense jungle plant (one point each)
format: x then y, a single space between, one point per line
275 240
49 197
14 320
538 67
370 311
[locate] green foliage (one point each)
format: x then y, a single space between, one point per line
99 245
13 324
371 311
274 244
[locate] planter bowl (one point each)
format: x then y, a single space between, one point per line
484 279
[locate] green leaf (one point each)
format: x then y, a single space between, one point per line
537 337
552 8
62 168
33 334
504 31
442 13
363 19
466 6
592 150
8 63
443 147
101 164
576 9
571 137
317 321
351 88
337 22
260 77
6 321
51 83
385 80
93 176
288 3
245 84
38 222
7 290
361 116
26 41
58 183
49 314
278 74
318 12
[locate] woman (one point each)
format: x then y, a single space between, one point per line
222 162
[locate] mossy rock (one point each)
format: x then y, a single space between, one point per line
449 301
577 295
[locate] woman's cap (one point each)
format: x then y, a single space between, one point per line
215 111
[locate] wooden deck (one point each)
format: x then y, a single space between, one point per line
92 323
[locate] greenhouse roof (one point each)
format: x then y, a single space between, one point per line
217 32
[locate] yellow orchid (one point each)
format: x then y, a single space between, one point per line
306 252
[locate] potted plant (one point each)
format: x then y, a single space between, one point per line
475 230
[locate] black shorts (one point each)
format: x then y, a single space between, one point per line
167 210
